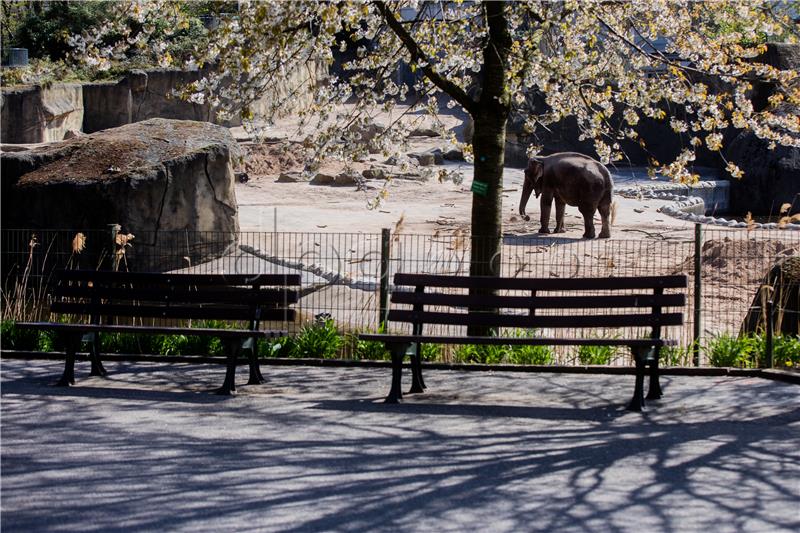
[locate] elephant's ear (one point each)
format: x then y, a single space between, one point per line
534 169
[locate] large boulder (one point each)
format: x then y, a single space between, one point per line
771 175
168 182
782 285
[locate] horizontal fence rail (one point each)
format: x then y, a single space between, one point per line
348 277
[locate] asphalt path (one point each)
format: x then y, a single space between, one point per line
314 449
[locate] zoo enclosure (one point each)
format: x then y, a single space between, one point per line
347 276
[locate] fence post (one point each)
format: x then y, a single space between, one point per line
698 288
384 287
114 229
769 348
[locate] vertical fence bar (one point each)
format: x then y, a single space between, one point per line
384 287
114 229
698 288
769 348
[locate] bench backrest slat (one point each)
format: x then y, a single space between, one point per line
166 293
536 321
541 284
214 312
538 302
222 280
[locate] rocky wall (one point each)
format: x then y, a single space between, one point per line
35 114
160 179
106 105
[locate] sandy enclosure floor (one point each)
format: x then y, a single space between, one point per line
424 207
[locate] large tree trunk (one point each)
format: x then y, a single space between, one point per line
489 146
490 117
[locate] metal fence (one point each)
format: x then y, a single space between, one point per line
342 272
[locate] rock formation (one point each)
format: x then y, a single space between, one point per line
156 178
34 114
782 286
771 176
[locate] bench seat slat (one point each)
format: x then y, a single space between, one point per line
537 341
222 280
542 284
523 321
240 295
539 302
172 311
209 332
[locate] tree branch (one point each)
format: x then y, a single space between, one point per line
661 58
457 93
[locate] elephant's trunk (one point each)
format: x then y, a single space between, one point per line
527 189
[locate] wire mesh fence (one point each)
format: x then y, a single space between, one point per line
342 272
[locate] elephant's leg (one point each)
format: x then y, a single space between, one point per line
545 205
605 217
588 215
560 205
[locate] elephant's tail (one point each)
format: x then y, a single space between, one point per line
613 215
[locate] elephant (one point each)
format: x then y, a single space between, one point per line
569 178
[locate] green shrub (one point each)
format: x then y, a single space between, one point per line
126 343
676 355
516 354
205 345
320 339
530 355
526 354
173 345
431 352
725 350
489 354
596 355
786 351
282 347
370 350
13 338
367 350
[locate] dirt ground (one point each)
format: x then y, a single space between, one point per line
421 206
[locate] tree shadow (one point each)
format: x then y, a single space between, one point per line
538 239
146 461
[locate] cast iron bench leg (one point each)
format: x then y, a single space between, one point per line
256 378
71 342
637 402
94 357
398 351
233 347
417 383
255 369
654 390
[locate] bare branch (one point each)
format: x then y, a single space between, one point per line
417 55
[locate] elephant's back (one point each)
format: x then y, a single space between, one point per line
575 162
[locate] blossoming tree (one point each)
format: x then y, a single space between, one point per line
598 62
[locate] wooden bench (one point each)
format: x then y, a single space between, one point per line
543 304
152 303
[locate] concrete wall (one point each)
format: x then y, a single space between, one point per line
34 114
106 105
